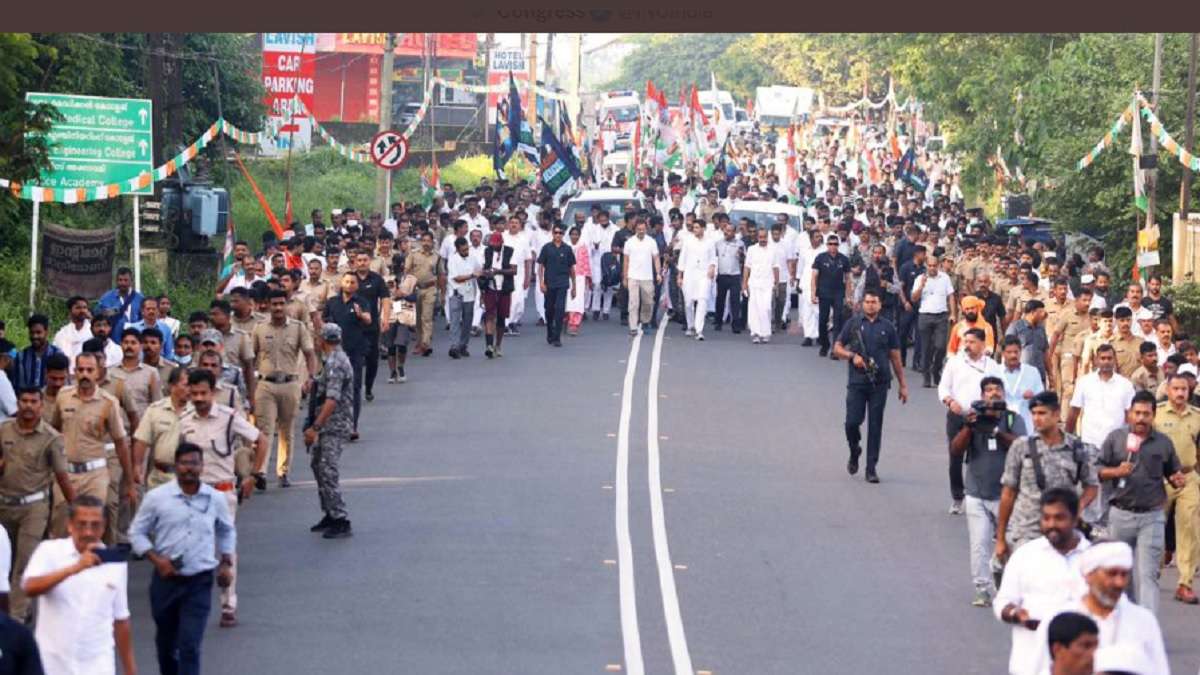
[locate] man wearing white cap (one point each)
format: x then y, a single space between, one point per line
1123 625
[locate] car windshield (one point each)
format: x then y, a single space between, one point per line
763 219
625 114
615 208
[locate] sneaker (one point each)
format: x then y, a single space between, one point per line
489 351
284 481
633 332
370 396
700 337
464 353
871 476
453 353
982 599
392 378
340 529
400 375
325 523
754 340
956 508
689 333
499 353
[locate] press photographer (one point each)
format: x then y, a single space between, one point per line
989 429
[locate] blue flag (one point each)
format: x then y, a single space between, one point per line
502 149
905 170
559 168
519 131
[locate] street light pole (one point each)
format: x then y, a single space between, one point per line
383 177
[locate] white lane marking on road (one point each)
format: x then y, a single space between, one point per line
658 525
630 635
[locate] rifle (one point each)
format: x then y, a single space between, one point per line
315 401
871 368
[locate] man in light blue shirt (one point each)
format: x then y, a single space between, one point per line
123 300
1021 380
178 528
150 319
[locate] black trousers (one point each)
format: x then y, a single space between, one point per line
180 607
371 359
356 362
934 332
865 401
954 424
908 327
556 307
729 286
676 296
829 308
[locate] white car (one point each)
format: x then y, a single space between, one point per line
764 214
612 200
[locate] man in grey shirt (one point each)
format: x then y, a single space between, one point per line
1137 458
1031 330
731 254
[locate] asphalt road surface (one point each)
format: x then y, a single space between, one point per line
577 510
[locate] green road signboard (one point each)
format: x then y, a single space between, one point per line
99 141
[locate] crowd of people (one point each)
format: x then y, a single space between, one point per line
1070 428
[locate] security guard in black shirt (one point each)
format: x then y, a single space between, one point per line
830 287
872 346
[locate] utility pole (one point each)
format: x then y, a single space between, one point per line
1189 136
383 177
487 68
549 57
1152 183
576 77
532 113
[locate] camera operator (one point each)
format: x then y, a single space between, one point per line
983 441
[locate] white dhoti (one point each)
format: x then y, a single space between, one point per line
808 316
517 306
758 313
578 302
601 298
695 299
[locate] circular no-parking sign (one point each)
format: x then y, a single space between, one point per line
389 149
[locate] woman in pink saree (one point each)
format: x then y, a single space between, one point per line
583 275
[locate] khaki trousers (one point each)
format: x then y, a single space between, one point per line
426 302
94 483
1186 503
26 526
275 409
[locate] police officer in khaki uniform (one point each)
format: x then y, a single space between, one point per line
1069 326
214 427
141 381
152 356
236 347
1181 423
158 433
58 368
279 345
1125 343
31 453
118 508
313 291
424 264
88 417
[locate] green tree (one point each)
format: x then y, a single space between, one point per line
673 62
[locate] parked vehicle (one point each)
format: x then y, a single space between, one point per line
612 200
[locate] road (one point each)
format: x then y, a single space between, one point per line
493 532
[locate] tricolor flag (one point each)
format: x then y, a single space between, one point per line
431 186
1135 149
520 133
227 251
793 177
559 169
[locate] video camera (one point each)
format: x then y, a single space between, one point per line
982 407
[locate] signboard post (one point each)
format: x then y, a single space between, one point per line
100 141
504 61
289 69
389 150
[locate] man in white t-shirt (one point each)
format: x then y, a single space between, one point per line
641 267
935 293
83 606
1103 397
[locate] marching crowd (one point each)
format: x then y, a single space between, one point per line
1070 428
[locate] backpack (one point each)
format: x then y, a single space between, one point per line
1077 451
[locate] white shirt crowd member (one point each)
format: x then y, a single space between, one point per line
698 265
599 241
74 619
640 254
935 293
522 254
1039 580
762 271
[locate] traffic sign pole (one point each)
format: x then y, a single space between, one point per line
33 266
137 246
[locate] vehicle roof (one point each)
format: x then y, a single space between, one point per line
604 194
767 207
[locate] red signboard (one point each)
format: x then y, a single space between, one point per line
286 75
448 45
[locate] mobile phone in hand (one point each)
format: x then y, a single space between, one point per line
112 555
1031 624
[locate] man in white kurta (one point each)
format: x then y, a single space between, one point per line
518 239
599 236
697 270
758 282
1106 571
807 251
